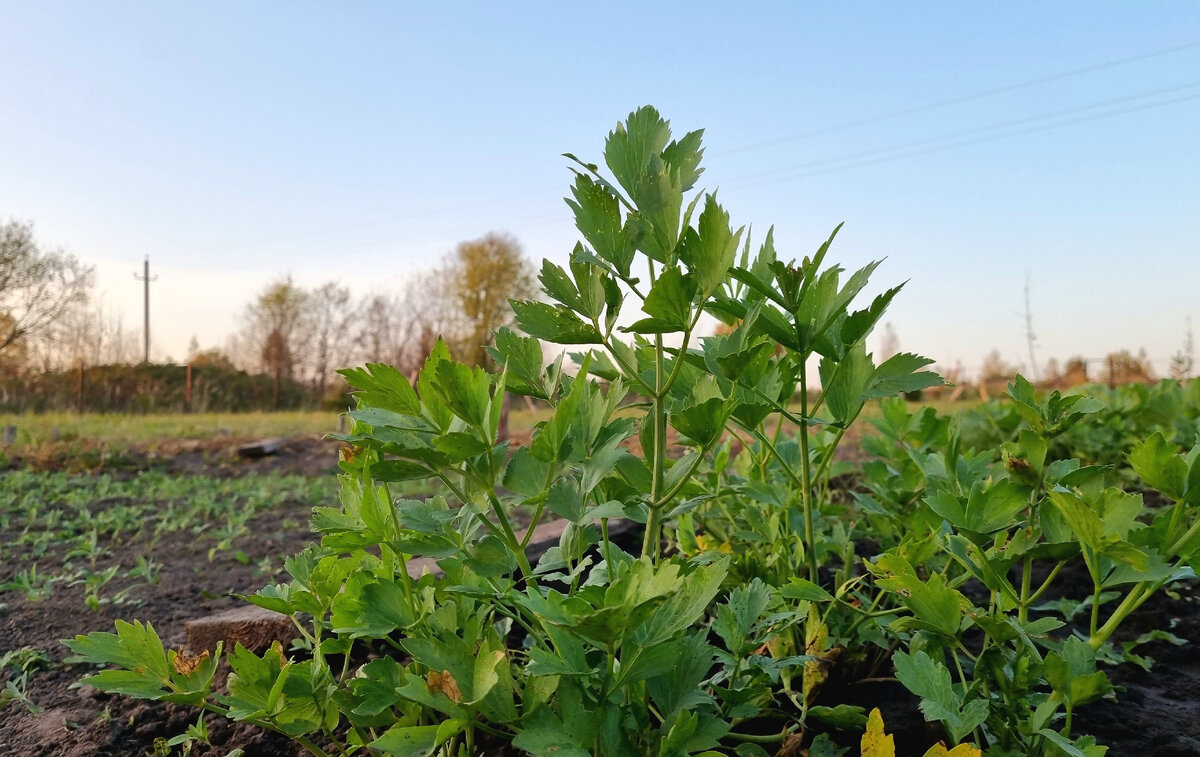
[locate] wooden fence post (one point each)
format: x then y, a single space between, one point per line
79 389
187 392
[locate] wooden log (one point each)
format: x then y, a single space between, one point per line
251 626
262 448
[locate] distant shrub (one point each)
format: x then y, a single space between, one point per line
147 388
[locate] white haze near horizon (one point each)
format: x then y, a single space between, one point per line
974 148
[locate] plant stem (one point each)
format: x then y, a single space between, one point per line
1133 600
1026 584
670 494
810 544
513 543
658 416
1046 584
1183 540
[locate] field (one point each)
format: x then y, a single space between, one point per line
175 539
761 544
81 551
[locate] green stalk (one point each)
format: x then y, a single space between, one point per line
607 544
1188 535
406 579
513 543
658 416
810 552
1095 622
1046 584
674 490
506 535
1026 585
1133 600
1027 563
791 474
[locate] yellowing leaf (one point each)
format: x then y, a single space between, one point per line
445 683
185 663
817 644
876 743
962 750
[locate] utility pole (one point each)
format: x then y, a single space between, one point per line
145 277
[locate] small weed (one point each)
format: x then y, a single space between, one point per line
17 665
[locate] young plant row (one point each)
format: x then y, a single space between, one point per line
758 572
99 531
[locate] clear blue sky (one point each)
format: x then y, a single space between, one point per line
237 142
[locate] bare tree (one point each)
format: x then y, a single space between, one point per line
995 369
331 315
378 328
994 374
401 329
93 335
37 286
274 329
1076 372
1124 367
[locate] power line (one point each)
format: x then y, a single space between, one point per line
975 130
846 162
785 173
961 99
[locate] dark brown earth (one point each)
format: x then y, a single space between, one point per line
1157 714
76 722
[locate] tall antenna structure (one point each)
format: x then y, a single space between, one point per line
1030 337
146 278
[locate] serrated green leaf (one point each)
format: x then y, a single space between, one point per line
936 606
930 680
804 590
598 218
521 356
525 474
375 686
559 286
554 324
459 446
669 300
1073 675
382 385
709 250
542 733
847 717
466 390
901 373
703 422
986 510
1160 465
415 740
846 383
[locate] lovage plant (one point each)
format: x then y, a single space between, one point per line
720 448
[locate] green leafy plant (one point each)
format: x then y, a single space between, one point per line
17 665
760 567
592 650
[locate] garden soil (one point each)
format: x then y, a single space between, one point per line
1157 713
